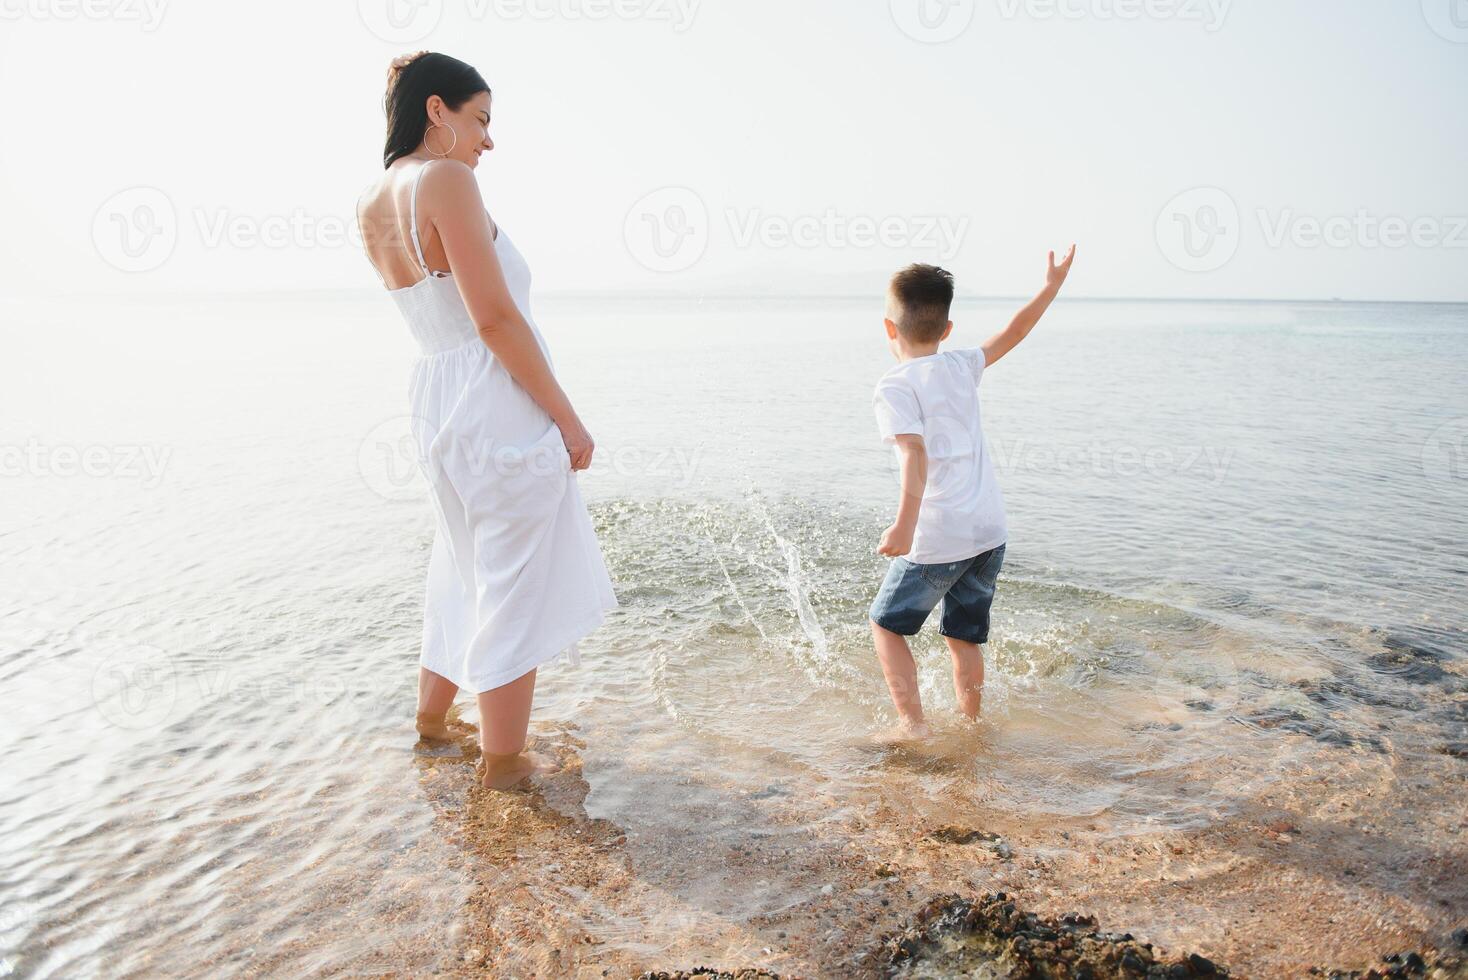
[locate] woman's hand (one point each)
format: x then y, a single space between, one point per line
579 444
402 61
451 198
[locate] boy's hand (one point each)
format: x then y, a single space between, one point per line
896 541
1055 275
1024 321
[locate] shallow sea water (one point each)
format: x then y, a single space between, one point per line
1238 555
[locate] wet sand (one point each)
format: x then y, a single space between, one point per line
1310 872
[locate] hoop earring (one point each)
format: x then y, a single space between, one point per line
452 133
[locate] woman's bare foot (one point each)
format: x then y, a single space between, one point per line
434 727
508 771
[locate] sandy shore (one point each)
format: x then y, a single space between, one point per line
1296 879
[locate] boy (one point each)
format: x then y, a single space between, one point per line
948 540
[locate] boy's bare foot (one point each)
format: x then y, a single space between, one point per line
903 731
971 704
508 771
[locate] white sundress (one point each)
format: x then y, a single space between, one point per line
516 576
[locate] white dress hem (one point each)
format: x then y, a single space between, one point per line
549 652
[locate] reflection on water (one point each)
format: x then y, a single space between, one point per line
1236 574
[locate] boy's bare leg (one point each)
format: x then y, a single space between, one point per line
968 675
898 667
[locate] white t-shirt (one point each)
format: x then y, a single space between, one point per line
937 397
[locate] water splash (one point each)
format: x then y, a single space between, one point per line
739 596
795 586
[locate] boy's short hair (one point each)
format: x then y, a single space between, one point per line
923 295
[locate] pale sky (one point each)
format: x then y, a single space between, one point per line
1194 148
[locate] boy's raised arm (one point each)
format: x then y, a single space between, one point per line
1024 321
897 539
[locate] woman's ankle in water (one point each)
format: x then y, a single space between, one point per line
434 725
505 770
501 771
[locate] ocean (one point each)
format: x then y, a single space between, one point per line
1233 597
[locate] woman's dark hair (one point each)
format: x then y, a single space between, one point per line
408 92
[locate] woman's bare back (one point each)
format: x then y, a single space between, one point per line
385 211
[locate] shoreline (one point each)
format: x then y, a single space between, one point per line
558 892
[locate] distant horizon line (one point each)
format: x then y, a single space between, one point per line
699 296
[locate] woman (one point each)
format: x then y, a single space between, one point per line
516 576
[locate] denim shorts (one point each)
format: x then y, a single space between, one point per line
966 588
